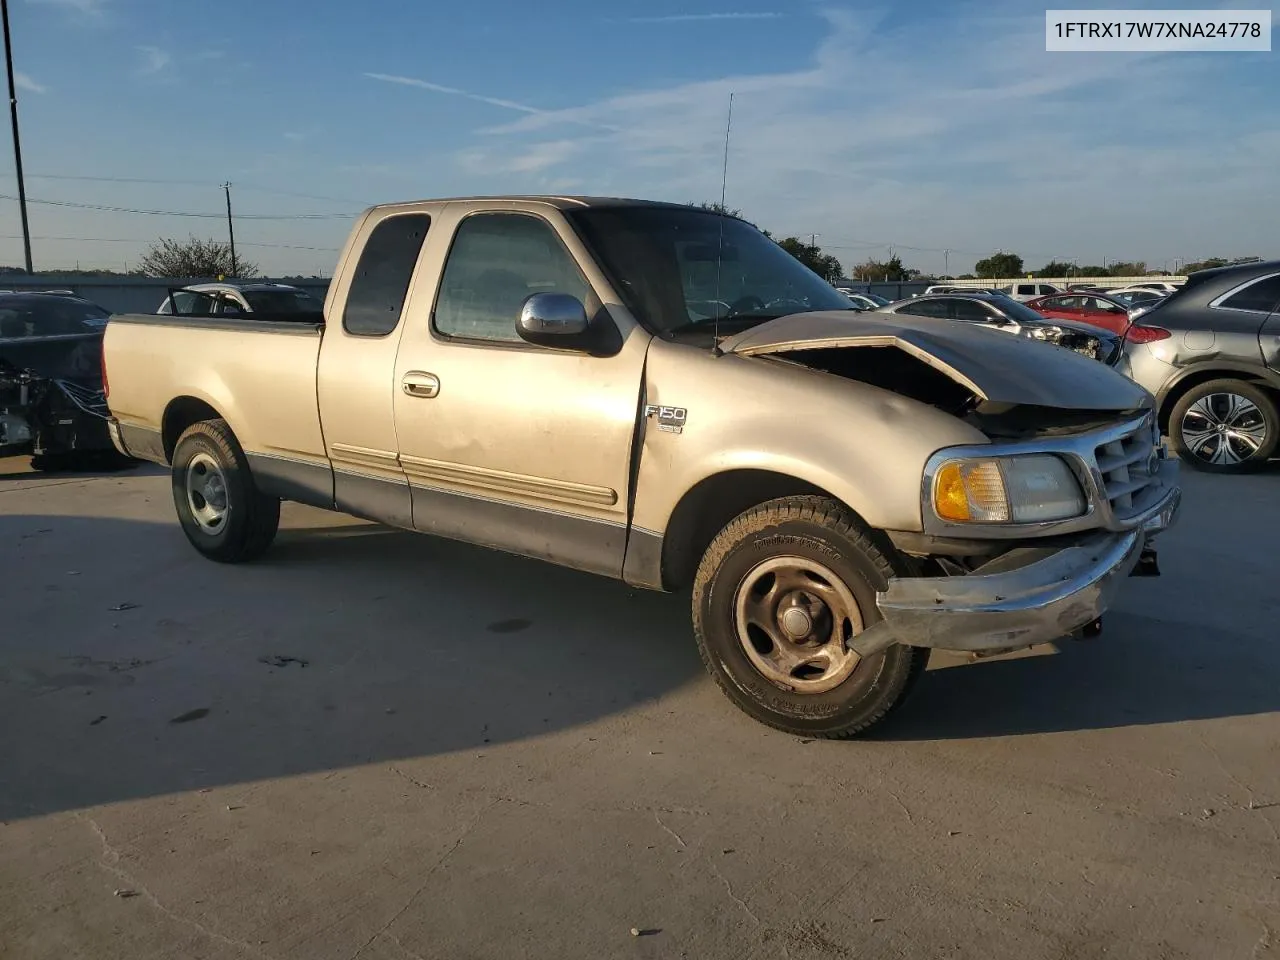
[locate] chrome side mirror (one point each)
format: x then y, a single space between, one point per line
553 320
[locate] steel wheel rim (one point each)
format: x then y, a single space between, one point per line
206 488
1224 428
794 618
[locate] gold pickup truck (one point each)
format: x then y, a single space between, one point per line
663 395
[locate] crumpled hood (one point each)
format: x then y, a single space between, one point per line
997 367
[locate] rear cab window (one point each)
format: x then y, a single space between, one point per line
380 284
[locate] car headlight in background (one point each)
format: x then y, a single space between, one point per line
1031 488
1049 334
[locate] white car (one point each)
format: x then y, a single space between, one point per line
1135 295
1029 291
865 301
235 299
1163 287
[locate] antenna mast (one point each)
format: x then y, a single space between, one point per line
724 176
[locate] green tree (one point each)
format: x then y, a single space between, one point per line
890 270
1210 262
811 255
194 257
1055 268
1128 268
998 266
717 207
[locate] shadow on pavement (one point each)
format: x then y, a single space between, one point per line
1140 671
131 667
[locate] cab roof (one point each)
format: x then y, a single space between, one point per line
560 202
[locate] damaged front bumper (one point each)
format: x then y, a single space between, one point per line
1027 596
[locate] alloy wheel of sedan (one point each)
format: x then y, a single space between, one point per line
1224 428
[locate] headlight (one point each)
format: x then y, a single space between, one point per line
1046 333
1032 488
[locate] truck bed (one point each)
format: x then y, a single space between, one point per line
257 374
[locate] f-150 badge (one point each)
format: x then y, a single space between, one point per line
670 419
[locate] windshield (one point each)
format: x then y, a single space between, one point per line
34 315
1020 312
680 270
282 301
876 298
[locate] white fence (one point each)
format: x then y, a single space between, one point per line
1063 282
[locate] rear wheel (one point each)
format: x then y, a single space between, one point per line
221 510
1225 426
778 596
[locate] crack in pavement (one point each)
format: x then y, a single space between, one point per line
1217 758
466 832
679 839
416 782
728 887
905 809
110 862
1264 942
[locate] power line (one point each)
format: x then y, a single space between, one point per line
180 213
165 182
143 180
243 243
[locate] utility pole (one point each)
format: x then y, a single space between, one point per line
813 241
946 264
17 143
231 232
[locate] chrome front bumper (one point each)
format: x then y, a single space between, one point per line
1029 596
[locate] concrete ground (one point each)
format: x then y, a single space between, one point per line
381 746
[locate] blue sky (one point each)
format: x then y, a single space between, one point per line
926 126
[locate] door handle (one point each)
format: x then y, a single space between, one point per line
416 383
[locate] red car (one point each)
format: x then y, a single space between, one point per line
1097 309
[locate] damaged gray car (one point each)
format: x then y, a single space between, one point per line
52 403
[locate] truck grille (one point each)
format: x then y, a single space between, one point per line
1128 466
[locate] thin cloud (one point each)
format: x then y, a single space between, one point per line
905 165
154 60
704 17
536 158
24 82
453 91
88 8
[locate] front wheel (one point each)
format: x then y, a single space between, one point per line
1225 426
221 510
778 596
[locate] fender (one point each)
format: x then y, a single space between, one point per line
1254 371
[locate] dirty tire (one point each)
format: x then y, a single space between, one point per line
52 463
823 531
1260 423
249 518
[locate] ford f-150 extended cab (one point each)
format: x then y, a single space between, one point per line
664 395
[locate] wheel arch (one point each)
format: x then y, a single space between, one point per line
179 415
1191 377
708 506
